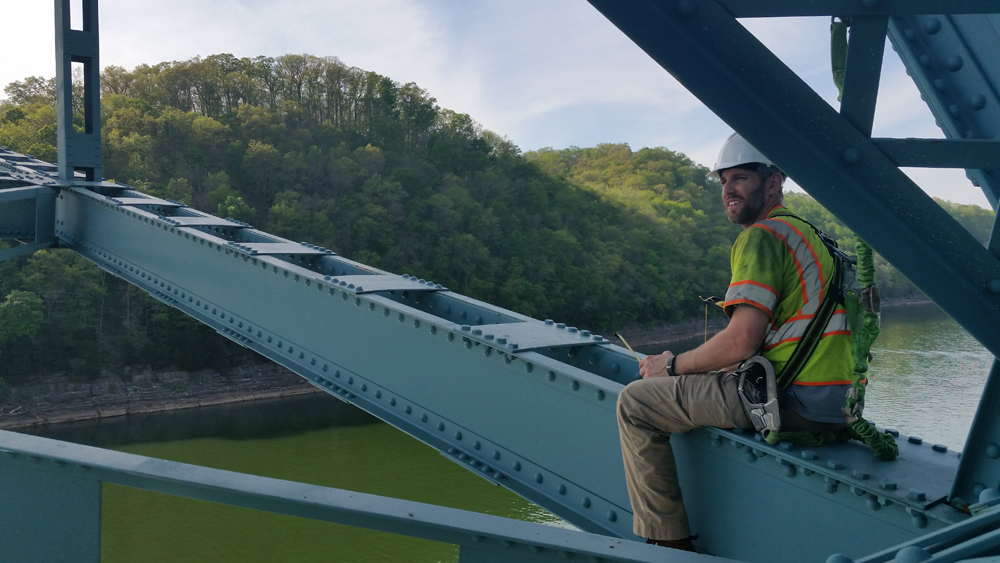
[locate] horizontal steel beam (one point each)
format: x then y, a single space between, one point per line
45 461
785 8
941 153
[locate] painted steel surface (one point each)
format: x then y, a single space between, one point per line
68 477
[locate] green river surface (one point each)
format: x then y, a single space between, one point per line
925 381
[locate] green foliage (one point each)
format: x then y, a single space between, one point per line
20 315
313 150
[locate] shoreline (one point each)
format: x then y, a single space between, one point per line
56 399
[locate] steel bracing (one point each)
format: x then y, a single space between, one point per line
529 404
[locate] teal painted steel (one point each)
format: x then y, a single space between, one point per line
48 514
59 473
539 420
79 151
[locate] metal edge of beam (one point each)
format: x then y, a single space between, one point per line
507 538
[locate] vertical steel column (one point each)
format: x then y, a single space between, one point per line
78 151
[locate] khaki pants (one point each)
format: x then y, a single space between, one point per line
648 412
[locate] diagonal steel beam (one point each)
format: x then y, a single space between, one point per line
785 8
720 62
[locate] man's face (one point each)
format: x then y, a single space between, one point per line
743 194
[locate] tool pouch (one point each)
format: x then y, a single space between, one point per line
758 391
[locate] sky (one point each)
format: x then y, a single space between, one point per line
551 73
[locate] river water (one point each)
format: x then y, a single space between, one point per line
925 381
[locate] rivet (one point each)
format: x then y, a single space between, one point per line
806 454
528 367
575 385
860 474
992 450
548 322
600 394
539 478
487 351
834 464
464 457
378 395
750 456
887 485
507 543
416 322
496 455
919 521
585 502
831 484
441 426
873 503
977 101
552 376
917 495
385 311
954 63
561 489
893 431
717 441
517 466
458 436
940 448
477 444
364 386
790 470
786 446
423 418
954 110
915 440
408 409
932 26
925 61
535 548
612 516
993 286
851 155
615 368
477 538
977 489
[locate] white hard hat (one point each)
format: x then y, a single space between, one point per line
736 151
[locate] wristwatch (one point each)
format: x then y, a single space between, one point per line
670 367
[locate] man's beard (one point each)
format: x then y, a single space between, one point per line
752 207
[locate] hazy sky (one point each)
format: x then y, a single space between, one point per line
553 73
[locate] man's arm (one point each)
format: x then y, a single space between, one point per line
737 342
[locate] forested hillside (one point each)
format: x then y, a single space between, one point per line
313 150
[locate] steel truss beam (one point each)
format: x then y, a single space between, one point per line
537 417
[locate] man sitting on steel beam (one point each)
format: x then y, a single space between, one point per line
781 270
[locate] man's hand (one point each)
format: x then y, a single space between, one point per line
654 366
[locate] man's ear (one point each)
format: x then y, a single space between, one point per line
774 184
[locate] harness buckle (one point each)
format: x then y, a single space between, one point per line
758 391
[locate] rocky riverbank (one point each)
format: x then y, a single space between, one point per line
55 399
